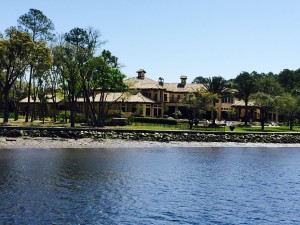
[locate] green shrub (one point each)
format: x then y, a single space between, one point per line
155 120
79 118
117 114
21 116
129 120
62 116
48 119
139 112
11 115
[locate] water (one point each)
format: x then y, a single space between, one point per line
150 186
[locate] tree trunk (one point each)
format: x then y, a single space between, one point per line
291 124
102 106
86 102
5 107
17 101
33 113
16 110
262 120
28 93
94 113
54 110
213 114
73 103
72 113
54 105
246 112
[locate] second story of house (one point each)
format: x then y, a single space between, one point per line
160 91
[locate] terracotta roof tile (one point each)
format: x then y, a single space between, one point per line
175 87
49 99
122 97
145 83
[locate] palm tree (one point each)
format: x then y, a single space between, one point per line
217 86
245 85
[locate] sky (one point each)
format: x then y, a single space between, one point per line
170 38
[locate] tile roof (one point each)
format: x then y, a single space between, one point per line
145 83
122 97
177 87
49 99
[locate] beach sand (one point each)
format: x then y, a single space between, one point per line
44 142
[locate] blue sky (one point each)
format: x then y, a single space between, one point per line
170 38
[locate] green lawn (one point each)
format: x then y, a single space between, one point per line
268 129
186 127
147 126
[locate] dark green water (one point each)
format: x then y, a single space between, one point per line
150 186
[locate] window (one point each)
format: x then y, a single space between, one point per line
123 107
148 110
227 100
157 111
172 98
133 108
165 97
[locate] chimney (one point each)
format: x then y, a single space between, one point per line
183 81
141 74
161 81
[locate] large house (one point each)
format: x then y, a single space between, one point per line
158 99
166 97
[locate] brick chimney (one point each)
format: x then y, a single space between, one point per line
161 81
141 74
183 81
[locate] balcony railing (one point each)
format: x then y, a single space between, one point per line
174 99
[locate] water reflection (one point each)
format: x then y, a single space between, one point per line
150 186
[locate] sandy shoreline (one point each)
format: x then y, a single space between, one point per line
44 142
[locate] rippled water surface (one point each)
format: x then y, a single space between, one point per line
150 186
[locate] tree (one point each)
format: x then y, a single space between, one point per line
17 93
269 84
266 103
78 49
71 59
289 79
55 77
199 80
37 25
245 85
41 62
104 77
42 87
40 28
216 86
200 102
289 105
15 57
269 89
71 76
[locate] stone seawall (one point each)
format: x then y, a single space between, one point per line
143 135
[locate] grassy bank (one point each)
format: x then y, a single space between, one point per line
148 126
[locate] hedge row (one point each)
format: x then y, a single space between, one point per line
155 120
